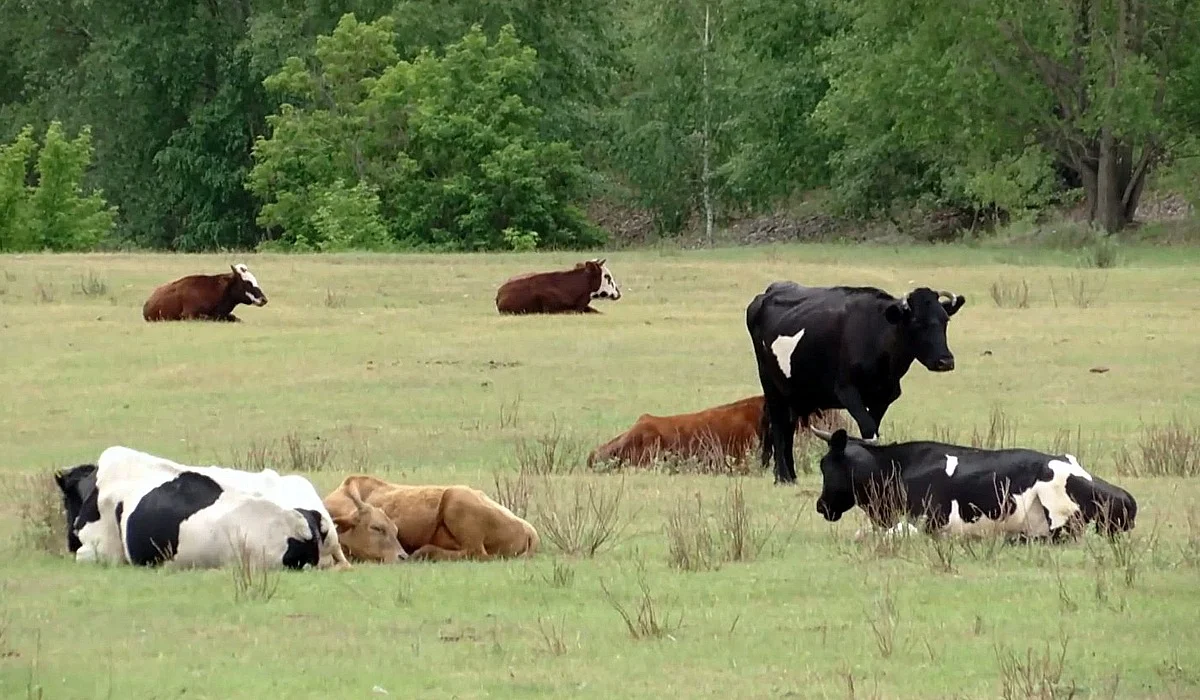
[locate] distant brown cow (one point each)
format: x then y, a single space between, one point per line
204 297
433 522
729 429
562 291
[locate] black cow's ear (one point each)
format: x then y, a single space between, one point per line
837 442
953 305
896 313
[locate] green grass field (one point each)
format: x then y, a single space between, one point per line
399 366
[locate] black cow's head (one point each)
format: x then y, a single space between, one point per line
77 485
922 316
245 286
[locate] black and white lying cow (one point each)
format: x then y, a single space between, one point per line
966 490
823 348
133 507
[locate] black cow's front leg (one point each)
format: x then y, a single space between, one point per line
876 412
853 403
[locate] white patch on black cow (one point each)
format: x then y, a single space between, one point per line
1053 493
1031 507
900 529
783 347
951 464
1027 518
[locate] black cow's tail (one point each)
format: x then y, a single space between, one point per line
767 438
753 310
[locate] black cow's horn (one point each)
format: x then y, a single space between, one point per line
823 434
949 295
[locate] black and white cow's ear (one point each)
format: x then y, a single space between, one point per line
837 443
897 312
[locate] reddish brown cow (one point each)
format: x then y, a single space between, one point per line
204 297
562 291
730 429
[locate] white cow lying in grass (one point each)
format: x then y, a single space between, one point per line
138 508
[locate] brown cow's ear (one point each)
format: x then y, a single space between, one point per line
345 522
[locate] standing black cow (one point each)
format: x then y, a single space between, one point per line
968 491
840 347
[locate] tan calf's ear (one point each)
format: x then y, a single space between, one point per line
345 522
355 497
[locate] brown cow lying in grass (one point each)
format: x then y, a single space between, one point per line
562 291
730 429
204 297
711 435
432 522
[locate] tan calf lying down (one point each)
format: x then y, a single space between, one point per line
432 522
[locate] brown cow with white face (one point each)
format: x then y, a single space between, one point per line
562 291
205 297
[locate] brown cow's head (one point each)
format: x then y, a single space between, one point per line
368 533
245 286
607 287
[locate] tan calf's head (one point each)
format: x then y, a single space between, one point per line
368 533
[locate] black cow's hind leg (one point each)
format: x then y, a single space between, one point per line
783 430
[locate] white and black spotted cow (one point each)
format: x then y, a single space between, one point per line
821 348
966 490
133 507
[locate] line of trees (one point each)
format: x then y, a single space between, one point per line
200 124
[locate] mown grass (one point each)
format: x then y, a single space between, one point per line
412 375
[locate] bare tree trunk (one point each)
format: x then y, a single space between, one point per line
706 136
1112 183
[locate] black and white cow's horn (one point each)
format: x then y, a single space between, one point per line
825 435
871 440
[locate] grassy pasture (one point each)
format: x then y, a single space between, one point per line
399 366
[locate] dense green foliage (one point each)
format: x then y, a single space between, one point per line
53 213
692 109
443 150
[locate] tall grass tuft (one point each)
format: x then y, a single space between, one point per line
1169 449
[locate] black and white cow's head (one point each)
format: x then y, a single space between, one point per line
245 287
78 486
305 550
838 470
922 316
